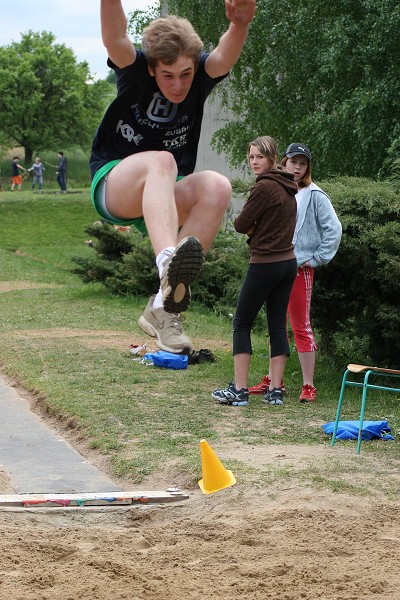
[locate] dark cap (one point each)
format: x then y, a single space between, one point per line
295 149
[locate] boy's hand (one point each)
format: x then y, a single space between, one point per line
240 12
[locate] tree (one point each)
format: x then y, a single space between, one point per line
326 73
47 99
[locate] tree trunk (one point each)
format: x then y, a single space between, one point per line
28 155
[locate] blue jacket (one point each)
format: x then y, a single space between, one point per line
318 230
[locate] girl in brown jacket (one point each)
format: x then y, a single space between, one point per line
269 219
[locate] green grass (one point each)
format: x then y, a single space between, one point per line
53 341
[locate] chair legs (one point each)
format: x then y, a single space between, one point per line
339 406
362 410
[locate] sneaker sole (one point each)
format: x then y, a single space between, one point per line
183 268
273 403
232 402
235 403
151 331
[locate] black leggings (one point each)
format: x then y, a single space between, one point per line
269 284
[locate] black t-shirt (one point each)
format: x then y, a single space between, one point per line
142 119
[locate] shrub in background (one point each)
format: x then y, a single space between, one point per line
356 298
123 261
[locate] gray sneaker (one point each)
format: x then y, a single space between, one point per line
273 397
166 328
232 396
181 269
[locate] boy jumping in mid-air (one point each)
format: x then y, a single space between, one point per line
145 150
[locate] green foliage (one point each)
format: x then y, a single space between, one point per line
139 19
218 285
324 73
111 266
208 18
124 263
47 99
356 297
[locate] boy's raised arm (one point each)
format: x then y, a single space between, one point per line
114 33
240 13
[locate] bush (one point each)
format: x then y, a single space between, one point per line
124 263
356 297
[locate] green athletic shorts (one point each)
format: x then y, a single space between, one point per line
98 200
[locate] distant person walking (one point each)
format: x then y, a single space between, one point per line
62 172
16 176
37 169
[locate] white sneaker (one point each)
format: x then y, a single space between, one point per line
166 328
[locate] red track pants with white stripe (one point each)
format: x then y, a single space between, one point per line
299 310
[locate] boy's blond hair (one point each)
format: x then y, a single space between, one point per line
168 38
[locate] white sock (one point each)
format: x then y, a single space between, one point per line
160 262
162 257
158 301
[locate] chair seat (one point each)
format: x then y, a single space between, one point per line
360 368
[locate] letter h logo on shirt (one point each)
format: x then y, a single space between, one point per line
161 110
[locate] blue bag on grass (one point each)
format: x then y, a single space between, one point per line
348 430
167 360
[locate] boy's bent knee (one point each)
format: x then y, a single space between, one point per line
163 160
219 188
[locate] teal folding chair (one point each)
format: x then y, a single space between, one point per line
365 385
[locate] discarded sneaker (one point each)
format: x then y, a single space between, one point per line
308 394
273 397
264 384
181 269
202 356
166 328
138 350
205 355
232 396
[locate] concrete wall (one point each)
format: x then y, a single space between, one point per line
208 158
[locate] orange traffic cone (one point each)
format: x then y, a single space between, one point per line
215 476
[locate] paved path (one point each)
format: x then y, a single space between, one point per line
39 460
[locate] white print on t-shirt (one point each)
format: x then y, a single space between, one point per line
128 133
180 130
175 143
